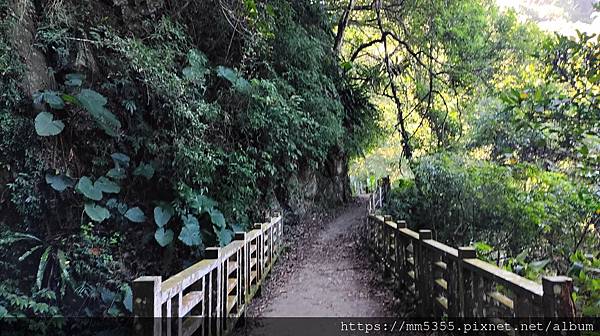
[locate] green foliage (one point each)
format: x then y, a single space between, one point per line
164 237
162 215
51 98
49 253
46 126
466 200
144 169
89 189
95 212
584 271
150 118
190 233
135 215
553 120
59 182
238 82
95 103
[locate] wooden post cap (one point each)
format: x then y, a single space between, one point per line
258 226
425 234
401 224
240 236
146 296
467 252
387 218
553 284
213 253
557 300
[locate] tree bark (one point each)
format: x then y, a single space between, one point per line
342 24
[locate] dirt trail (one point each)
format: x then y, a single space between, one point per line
334 277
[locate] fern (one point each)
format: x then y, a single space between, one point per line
42 268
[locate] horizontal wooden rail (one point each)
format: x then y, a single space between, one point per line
453 282
212 294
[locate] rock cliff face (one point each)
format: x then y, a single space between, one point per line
328 187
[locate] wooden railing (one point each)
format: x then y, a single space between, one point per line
208 297
453 282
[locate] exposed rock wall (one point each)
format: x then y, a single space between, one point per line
327 187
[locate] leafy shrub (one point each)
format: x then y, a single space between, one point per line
511 208
530 221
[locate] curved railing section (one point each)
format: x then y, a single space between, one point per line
453 282
211 295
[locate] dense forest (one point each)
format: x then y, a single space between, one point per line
134 134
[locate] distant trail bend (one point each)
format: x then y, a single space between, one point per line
334 279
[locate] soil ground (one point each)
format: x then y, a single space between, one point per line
325 271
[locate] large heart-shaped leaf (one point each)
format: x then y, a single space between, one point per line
74 79
190 220
54 100
121 207
190 236
87 188
144 169
120 159
94 103
51 98
190 233
107 295
96 212
107 186
135 215
217 218
162 214
233 77
45 125
163 237
59 182
539 265
224 236
116 173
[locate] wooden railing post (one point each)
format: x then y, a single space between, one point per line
557 299
260 254
400 251
425 289
244 269
465 282
216 317
279 234
386 245
147 305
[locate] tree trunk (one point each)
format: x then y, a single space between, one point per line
342 24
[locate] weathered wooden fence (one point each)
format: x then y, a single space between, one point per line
208 297
453 282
